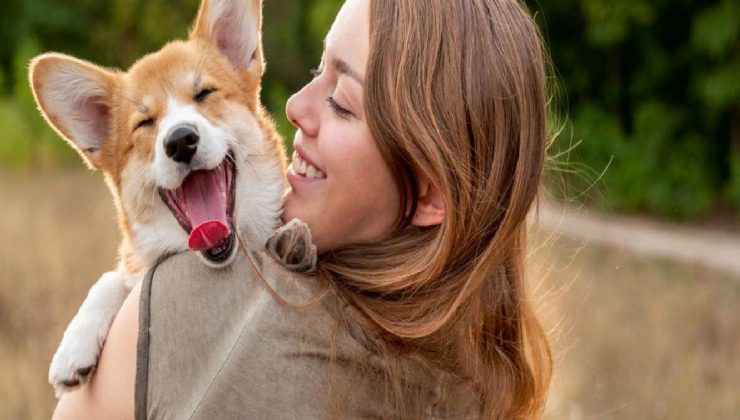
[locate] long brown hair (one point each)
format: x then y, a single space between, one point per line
455 93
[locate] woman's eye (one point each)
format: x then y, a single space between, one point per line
338 109
145 123
203 94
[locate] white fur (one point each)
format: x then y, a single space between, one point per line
260 181
84 337
211 152
154 230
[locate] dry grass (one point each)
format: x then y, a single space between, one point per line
636 339
59 234
639 339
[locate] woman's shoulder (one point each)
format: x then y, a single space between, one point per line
255 341
266 340
252 296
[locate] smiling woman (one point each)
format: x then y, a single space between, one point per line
356 200
433 142
419 151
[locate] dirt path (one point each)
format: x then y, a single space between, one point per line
645 237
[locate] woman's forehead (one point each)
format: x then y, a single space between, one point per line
349 37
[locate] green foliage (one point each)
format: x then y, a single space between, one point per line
609 21
653 86
733 190
114 34
719 88
321 15
27 49
655 108
716 30
26 138
15 152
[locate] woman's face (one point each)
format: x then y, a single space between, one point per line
340 184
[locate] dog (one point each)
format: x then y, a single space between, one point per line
192 160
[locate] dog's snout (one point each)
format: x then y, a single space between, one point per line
182 143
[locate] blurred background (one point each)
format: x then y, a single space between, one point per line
635 257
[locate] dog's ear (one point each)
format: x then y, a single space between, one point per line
234 27
75 98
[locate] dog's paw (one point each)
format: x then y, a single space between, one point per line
292 247
75 360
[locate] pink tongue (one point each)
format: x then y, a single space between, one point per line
205 196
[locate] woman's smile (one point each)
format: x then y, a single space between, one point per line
304 169
341 186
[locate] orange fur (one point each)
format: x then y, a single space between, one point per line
179 69
129 125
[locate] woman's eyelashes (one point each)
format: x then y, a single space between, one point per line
338 109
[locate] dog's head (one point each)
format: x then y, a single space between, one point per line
181 136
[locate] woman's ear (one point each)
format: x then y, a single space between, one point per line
430 209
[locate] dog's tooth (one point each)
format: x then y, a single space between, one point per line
320 175
303 167
310 172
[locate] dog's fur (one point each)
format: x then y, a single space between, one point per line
98 111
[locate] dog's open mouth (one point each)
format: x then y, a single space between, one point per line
204 207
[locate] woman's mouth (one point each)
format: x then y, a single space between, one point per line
302 168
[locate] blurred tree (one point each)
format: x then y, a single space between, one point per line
653 89
653 86
117 32
294 31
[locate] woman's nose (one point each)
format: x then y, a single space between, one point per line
301 112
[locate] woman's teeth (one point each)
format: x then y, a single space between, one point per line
301 167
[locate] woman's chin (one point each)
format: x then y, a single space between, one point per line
289 211
294 207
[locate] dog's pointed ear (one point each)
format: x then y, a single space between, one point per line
234 27
75 98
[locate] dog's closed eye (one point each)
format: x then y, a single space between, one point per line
203 94
145 123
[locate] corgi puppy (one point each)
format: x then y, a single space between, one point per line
188 152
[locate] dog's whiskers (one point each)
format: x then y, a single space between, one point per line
231 159
154 196
140 179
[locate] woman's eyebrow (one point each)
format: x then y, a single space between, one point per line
342 67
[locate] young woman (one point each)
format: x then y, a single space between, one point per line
427 120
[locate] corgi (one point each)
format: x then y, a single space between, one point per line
192 159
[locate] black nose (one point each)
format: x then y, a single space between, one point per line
182 143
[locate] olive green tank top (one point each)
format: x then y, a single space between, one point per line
214 344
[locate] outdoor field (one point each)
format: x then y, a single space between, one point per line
637 280
634 338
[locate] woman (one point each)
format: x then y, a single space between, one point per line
428 120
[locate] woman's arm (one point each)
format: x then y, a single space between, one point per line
110 392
